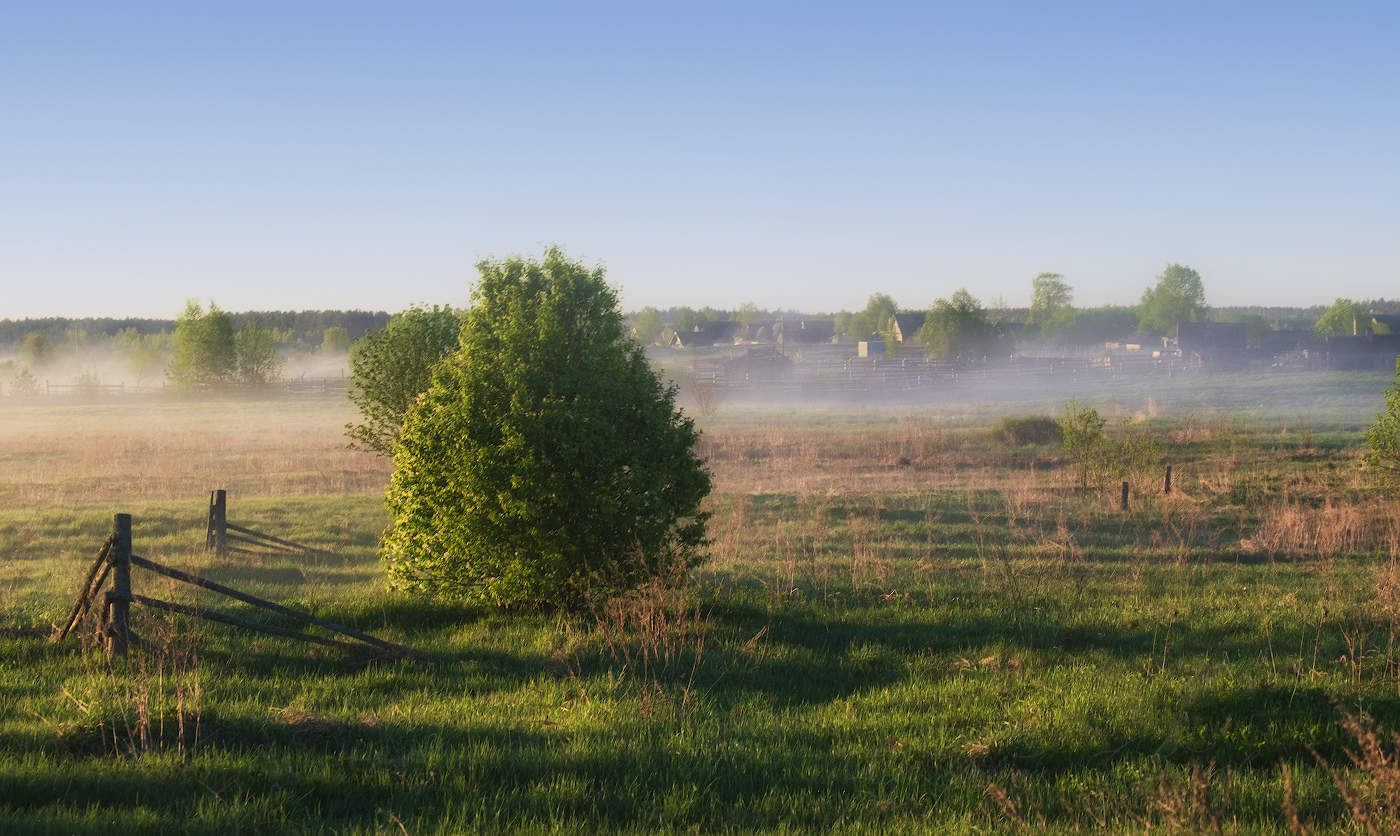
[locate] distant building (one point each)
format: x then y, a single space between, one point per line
804 331
1213 344
870 348
1346 352
907 327
722 332
1385 323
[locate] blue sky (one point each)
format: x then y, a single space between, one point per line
798 155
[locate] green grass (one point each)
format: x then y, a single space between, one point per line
852 659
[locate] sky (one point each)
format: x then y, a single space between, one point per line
303 155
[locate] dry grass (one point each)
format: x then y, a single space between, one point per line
1326 532
68 454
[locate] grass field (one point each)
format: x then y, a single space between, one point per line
904 626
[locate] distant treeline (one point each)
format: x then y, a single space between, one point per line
294 329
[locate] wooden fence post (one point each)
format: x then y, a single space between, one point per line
119 597
1124 503
216 540
1167 483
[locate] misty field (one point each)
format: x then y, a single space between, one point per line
905 625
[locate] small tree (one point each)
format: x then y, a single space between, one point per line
256 357
36 350
24 385
391 367
335 340
648 325
688 318
1343 317
957 328
204 352
1178 296
1050 298
880 308
1086 444
547 462
1383 438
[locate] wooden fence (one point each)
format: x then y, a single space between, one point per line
115 560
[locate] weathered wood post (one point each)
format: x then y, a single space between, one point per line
1124 503
217 538
119 596
1167 483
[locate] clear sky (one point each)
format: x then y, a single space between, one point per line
297 155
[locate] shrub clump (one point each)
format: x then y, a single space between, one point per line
1016 431
546 463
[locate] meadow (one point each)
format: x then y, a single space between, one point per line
905 625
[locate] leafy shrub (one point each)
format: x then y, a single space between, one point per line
391 367
1089 450
1028 429
547 460
1383 438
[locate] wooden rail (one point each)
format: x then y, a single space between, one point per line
115 559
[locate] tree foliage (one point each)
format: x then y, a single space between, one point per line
688 318
204 353
1087 445
1086 326
1343 317
256 358
648 325
1178 296
1051 296
879 311
335 339
37 349
1383 438
957 329
547 462
390 368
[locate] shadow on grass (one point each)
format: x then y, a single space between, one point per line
1248 727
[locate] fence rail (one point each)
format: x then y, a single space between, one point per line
116 560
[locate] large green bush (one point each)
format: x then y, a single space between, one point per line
1383 438
547 462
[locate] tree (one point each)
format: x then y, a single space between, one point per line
957 328
547 463
36 350
1086 326
146 354
391 367
842 323
335 339
688 318
24 385
750 317
1344 317
1255 324
1178 296
204 347
1086 444
1383 438
647 326
256 359
875 319
1050 297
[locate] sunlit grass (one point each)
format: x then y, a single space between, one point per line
904 627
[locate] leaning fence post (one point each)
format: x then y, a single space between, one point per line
119 597
1124 503
217 538
1167 483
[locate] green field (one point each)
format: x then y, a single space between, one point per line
904 626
